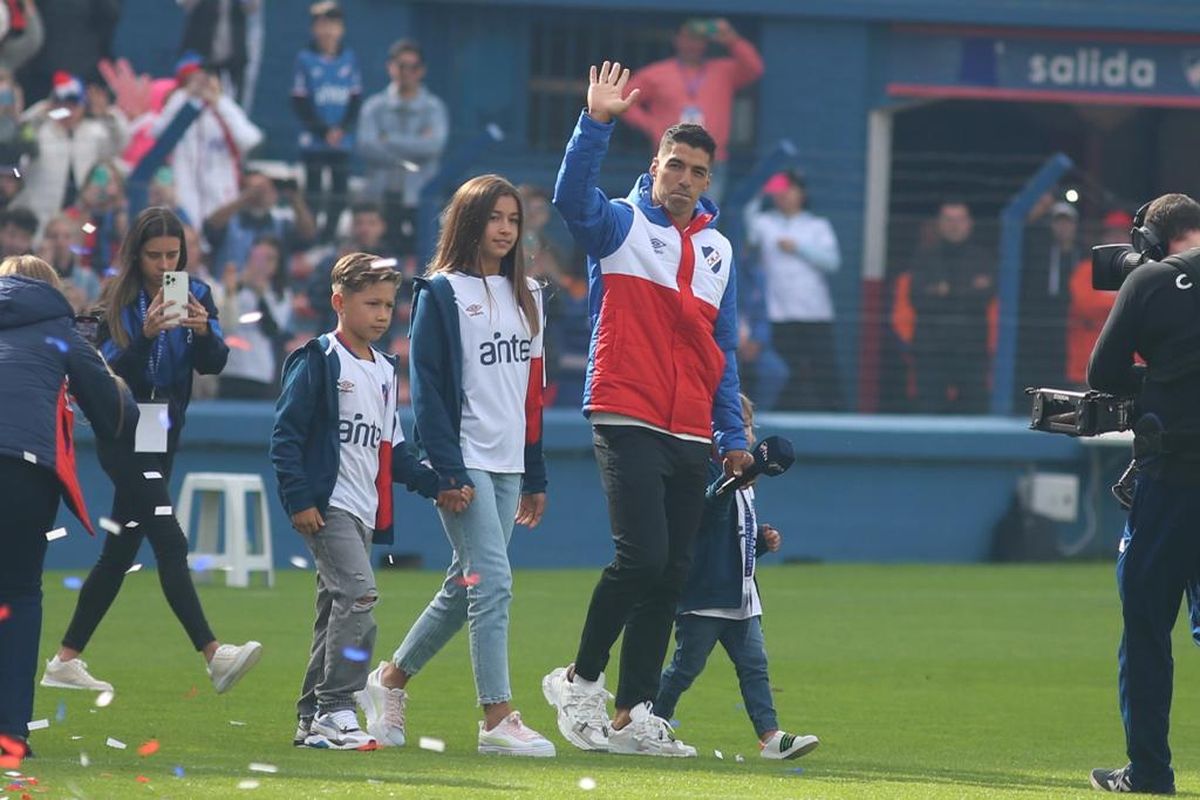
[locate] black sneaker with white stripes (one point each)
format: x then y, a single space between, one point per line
1119 780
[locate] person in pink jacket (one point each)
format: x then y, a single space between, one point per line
694 88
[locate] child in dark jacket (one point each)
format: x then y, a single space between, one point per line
337 446
720 603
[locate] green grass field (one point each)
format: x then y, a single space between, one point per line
922 682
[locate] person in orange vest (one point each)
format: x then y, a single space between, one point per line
1088 307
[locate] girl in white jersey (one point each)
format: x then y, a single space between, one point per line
477 377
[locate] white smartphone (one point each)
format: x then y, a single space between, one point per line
175 290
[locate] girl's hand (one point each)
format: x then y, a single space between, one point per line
197 316
530 509
157 320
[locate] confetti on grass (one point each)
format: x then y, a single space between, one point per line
249 783
429 743
719 754
115 743
587 784
256 766
104 699
148 748
39 724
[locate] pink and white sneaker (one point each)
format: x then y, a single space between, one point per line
512 738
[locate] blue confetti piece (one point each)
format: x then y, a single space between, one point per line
202 563
178 771
675 723
61 713
111 272
80 250
354 654
59 343
73 582
164 418
796 770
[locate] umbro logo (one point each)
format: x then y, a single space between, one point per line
712 257
474 310
658 244
345 386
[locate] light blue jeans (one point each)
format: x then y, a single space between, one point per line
480 538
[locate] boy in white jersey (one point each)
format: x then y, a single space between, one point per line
337 446
720 603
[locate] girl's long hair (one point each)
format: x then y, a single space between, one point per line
463 224
123 289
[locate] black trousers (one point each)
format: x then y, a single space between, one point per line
338 164
654 484
136 498
28 504
808 349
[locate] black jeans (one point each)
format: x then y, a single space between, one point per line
28 504
809 351
338 164
654 484
136 498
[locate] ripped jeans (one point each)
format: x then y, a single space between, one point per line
344 631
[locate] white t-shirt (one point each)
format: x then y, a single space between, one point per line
748 539
498 352
366 419
795 288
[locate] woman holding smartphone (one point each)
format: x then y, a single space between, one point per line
154 343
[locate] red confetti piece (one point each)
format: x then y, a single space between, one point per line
237 343
5 612
142 779
149 748
470 579
190 693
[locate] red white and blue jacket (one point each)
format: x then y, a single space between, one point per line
662 302
40 350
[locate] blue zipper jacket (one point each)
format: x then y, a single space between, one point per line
184 352
39 346
305 450
436 384
715 579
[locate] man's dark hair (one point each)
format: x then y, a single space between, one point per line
366 207
20 217
692 135
405 46
1173 215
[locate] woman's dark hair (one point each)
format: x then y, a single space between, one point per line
123 289
463 224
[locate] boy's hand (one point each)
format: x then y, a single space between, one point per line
308 521
772 538
530 509
455 500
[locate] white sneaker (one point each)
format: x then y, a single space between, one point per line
231 662
582 710
384 709
339 730
783 746
303 728
72 674
648 735
512 738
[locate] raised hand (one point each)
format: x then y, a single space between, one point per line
606 90
131 89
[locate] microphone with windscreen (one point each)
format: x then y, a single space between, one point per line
772 456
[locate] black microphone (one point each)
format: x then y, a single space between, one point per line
772 456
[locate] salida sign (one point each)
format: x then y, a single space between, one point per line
1092 67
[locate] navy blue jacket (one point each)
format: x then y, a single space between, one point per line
184 352
39 346
305 449
436 383
715 579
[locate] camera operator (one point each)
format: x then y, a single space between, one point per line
1156 315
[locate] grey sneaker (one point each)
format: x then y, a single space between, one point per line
231 662
582 711
338 730
303 728
648 735
72 674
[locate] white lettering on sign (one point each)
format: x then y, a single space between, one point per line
1089 66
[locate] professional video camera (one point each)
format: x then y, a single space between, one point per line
1080 413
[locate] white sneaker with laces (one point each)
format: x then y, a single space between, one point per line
72 674
512 738
784 746
303 728
582 710
384 709
231 662
648 735
338 730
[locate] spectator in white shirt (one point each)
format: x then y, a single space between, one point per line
797 250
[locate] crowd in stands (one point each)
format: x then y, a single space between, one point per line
85 142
